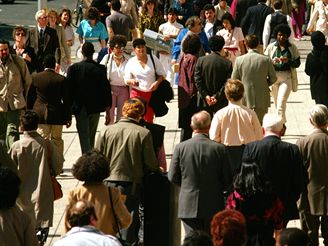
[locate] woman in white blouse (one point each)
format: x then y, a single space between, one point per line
319 18
233 37
143 76
115 63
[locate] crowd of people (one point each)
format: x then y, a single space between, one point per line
240 184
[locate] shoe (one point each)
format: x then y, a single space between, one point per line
297 39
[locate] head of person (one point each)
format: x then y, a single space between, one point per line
216 43
116 5
197 238
228 228
49 61
182 2
277 4
19 34
228 21
273 123
172 15
209 12
282 33
318 40
79 213
133 108
252 41
29 121
88 50
65 16
117 44
319 116
191 44
223 4
4 50
53 17
194 24
93 15
250 180
9 188
150 6
139 47
201 122
42 18
91 167
234 90
292 237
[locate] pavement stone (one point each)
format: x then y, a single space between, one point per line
297 126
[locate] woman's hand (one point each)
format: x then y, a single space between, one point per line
154 86
132 82
26 57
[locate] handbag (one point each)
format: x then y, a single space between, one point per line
56 186
122 241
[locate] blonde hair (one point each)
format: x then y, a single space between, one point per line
39 13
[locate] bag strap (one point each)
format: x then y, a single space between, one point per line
152 60
115 217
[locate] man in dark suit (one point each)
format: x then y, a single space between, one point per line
49 97
199 165
90 94
253 21
43 40
211 73
281 162
241 8
313 203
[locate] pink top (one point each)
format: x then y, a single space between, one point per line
235 125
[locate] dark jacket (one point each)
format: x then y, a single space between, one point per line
89 87
282 164
49 98
51 45
253 21
164 93
241 8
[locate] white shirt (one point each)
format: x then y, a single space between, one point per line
267 31
169 28
144 75
318 18
86 236
208 29
115 74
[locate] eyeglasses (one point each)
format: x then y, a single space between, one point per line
119 47
20 34
42 17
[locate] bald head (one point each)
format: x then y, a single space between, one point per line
201 121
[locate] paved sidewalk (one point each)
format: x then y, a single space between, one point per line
297 126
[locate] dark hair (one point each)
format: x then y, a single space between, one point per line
9 188
293 237
250 180
228 228
91 167
117 40
228 16
197 238
79 213
318 39
88 49
29 120
17 29
172 11
277 4
68 11
49 61
116 5
283 28
93 13
216 43
138 41
3 41
252 41
191 44
209 7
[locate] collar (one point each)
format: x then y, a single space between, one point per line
287 44
238 103
39 28
49 69
252 51
201 134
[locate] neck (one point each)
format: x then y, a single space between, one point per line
202 131
19 45
271 133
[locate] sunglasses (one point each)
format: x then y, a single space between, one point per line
20 34
43 17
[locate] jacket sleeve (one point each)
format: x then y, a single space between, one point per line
174 174
272 77
199 81
149 156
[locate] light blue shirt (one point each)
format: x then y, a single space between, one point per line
92 34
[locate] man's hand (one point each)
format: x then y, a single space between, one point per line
57 68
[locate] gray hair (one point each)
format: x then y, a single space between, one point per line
319 115
272 122
40 13
201 120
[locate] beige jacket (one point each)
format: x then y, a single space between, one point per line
98 194
30 154
12 89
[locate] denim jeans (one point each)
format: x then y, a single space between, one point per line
86 125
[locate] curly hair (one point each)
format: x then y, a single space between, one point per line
228 228
133 108
117 40
283 28
91 167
